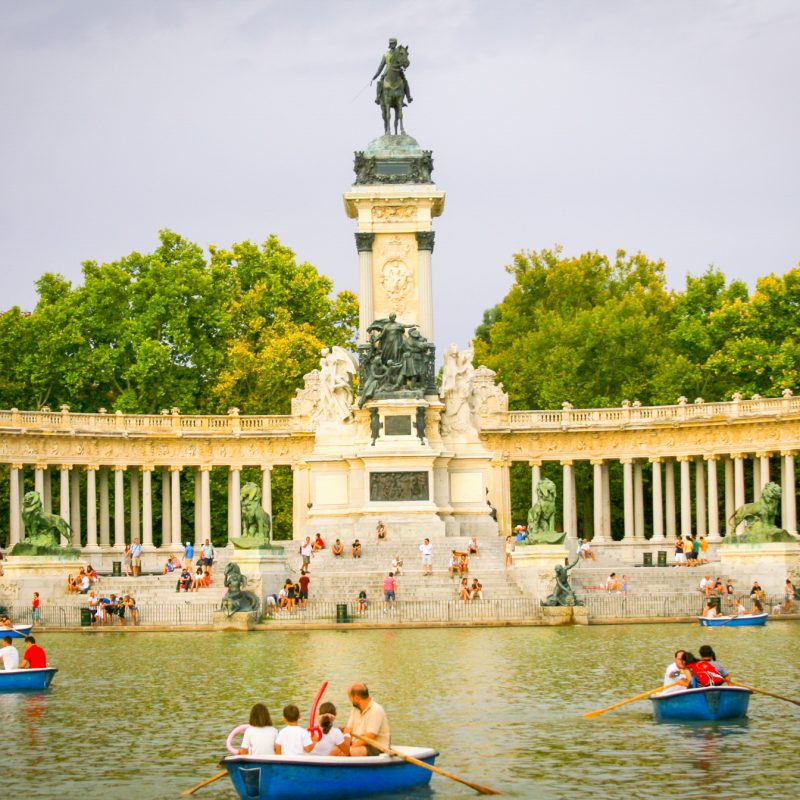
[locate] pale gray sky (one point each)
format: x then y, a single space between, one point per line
667 127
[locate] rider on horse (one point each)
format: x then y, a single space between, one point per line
386 62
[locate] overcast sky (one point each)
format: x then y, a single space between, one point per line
667 127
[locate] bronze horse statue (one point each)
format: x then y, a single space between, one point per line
394 89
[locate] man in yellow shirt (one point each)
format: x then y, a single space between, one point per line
368 718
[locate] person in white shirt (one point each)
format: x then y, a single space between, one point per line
259 738
293 740
706 585
675 677
426 548
333 741
710 610
9 654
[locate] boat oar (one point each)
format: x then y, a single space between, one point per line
763 691
629 700
411 760
187 792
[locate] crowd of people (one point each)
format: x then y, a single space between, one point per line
691 551
367 718
83 581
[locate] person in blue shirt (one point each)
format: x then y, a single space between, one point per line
136 557
188 555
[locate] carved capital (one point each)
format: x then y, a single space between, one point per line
266 467
66 467
763 455
41 466
681 459
597 462
364 242
788 453
425 240
206 467
148 468
234 468
173 468
92 467
20 466
657 460
535 462
626 461
711 457
567 463
122 468
740 456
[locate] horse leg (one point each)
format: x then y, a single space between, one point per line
386 116
399 118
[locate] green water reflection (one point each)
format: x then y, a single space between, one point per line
146 715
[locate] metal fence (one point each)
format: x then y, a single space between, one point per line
515 609
167 614
686 604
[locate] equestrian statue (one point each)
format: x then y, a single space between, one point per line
393 90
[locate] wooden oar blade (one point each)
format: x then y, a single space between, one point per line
768 694
187 792
625 702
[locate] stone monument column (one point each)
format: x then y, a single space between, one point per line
686 495
15 506
198 522
64 498
91 508
266 489
147 507
536 476
713 500
205 502
75 506
669 491
105 535
424 256
738 482
638 500
763 471
38 480
175 493
627 486
134 486
729 494
700 497
599 524
235 503
364 243
119 506
658 500
788 491
568 499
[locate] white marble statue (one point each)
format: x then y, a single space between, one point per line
456 390
336 371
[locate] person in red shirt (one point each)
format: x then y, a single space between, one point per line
304 581
34 656
37 614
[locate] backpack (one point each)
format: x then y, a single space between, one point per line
706 673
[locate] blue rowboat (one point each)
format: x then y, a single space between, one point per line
26 680
733 621
17 632
708 703
331 777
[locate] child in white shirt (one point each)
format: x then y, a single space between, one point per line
259 738
293 740
333 741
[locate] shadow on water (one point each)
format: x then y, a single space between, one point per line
143 717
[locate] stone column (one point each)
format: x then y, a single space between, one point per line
756 478
38 480
91 508
729 494
134 484
700 498
763 471
658 500
424 256
198 535
638 500
686 495
713 500
266 488
627 491
147 507
599 524
119 506
64 498
15 506
175 507
606 502
568 499
75 506
364 243
235 503
536 476
105 535
47 497
738 483
788 489
205 502
166 510
669 488
500 493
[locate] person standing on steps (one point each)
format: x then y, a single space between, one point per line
426 549
136 557
306 550
389 593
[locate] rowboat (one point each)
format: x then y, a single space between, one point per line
709 703
331 777
734 620
17 632
26 680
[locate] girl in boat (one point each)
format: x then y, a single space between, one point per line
706 670
333 741
259 738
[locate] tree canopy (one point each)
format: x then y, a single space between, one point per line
595 331
174 329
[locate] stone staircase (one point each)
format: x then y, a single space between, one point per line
150 590
341 579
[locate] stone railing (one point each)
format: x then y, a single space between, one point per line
634 414
171 422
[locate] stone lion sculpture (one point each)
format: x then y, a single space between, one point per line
256 523
759 519
237 599
542 516
43 531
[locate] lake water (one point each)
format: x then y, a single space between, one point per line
140 717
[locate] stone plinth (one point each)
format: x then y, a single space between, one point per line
240 621
24 575
557 615
780 554
265 570
534 567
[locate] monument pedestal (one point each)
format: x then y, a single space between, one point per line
780 554
239 621
265 570
534 567
23 575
